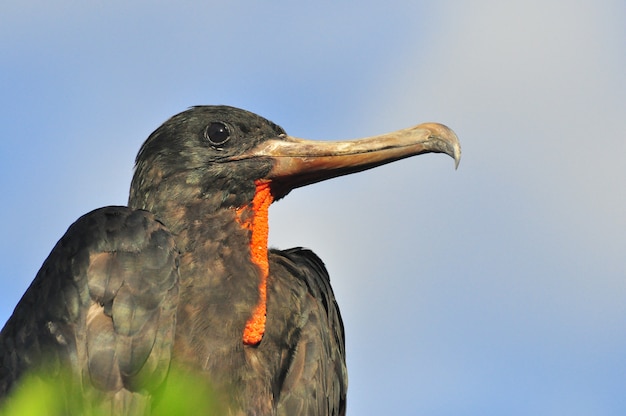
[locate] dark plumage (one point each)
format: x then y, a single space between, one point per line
174 278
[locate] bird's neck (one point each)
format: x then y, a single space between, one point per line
226 241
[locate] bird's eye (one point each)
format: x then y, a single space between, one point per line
217 134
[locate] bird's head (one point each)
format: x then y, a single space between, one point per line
219 154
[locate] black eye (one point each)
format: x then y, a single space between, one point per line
217 134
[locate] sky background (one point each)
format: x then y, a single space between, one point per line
495 289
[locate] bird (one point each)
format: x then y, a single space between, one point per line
182 277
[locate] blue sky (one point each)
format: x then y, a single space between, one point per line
499 288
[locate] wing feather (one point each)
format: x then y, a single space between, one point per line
314 377
103 305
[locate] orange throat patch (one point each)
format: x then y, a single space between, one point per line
258 225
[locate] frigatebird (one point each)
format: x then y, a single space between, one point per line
183 276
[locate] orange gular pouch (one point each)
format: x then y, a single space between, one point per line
259 228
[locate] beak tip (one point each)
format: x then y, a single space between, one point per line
457 154
447 140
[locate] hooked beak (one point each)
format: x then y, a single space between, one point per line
298 162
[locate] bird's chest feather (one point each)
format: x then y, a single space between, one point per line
219 295
220 288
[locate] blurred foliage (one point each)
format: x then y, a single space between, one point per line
188 394
38 393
